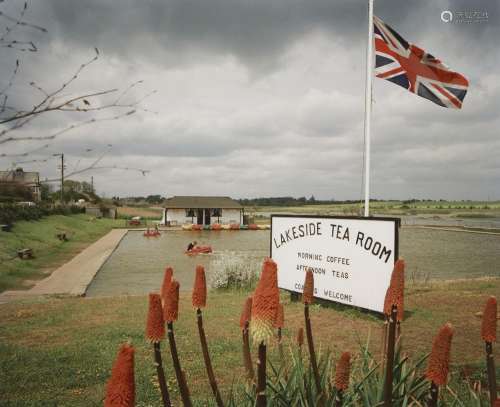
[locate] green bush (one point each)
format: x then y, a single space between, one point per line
10 213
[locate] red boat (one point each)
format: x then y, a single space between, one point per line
199 249
152 233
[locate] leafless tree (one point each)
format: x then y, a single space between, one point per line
14 118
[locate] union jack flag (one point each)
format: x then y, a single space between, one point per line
412 68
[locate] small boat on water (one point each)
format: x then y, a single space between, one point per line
152 233
199 250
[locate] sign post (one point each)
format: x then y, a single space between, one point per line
352 258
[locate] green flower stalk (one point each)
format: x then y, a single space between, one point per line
155 332
245 317
199 301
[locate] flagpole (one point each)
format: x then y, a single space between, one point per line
368 105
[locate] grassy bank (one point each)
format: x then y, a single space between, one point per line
470 209
48 250
60 351
144 212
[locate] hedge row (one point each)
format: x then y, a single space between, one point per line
10 213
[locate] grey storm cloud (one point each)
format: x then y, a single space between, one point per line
262 97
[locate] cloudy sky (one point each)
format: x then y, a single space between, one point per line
258 98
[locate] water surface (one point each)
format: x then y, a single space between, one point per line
137 265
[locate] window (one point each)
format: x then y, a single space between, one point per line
216 212
189 213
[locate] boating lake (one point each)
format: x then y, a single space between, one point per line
138 263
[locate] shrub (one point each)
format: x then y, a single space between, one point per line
234 272
10 213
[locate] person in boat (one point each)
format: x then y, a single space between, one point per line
191 246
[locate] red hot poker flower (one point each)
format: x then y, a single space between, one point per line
120 389
489 325
200 288
439 360
497 403
265 303
155 328
279 321
300 336
395 293
167 279
343 371
246 313
308 292
171 307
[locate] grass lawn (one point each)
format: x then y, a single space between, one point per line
471 209
48 250
59 351
147 213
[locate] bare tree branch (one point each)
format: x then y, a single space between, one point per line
11 80
14 119
114 167
20 45
25 154
17 22
69 128
60 106
33 161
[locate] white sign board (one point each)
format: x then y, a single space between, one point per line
352 258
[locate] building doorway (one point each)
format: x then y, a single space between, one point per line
207 216
199 216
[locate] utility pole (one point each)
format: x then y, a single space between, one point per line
92 183
62 176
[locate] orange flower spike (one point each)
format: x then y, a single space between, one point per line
497 403
489 325
439 360
171 309
300 337
308 292
279 321
155 327
265 303
343 371
200 288
120 389
246 313
167 280
395 293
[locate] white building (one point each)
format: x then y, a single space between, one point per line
202 210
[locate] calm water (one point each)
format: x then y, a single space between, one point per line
137 265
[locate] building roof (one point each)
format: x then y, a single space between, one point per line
201 202
20 176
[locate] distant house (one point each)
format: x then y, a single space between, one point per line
23 179
202 210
